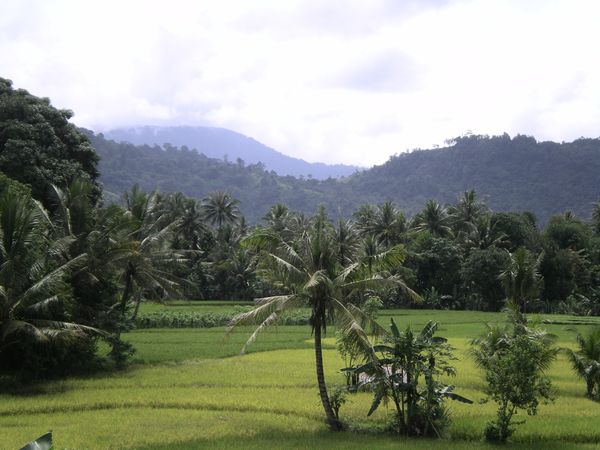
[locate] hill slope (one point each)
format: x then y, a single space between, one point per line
515 174
218 142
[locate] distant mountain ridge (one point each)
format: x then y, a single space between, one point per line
221 142
510 174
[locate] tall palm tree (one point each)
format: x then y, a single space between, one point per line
586 360
389 224
147 259
484 234
308 273
465 214
434 218
346 241
522 280
277 218
220 208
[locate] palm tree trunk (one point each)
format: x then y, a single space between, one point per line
334 424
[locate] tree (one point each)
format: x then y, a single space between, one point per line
514 362
521 278
34 294
465 214
220 209
38 145
387 225
586 361
480 273
308 274
346 241
145 260
407 360
434 219
277 218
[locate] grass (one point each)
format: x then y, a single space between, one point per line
189 389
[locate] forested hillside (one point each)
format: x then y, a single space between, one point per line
172 169
517 174
221 143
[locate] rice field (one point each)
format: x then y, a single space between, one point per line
188 388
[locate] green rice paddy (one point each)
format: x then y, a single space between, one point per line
188 388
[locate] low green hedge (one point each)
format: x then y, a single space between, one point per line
205 319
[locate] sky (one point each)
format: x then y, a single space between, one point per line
337 81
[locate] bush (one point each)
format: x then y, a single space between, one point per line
514 362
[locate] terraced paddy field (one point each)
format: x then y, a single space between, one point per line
189 389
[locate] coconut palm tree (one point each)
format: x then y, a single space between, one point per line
389 224
33 270
147 259
586 360
434 218
522 280
346 241
220 208
308 272
465 214
277 218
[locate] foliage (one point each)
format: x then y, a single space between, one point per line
407 359
337 398
480 274
586 360
34 293
205 320
38 145
515 363
521 278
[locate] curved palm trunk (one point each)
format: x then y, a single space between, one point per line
334 423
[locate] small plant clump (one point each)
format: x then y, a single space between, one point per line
586 361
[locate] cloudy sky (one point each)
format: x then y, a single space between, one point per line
324 80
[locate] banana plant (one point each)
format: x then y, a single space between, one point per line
405 370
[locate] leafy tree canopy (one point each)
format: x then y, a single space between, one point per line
38 145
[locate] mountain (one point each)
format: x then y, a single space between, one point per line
510 174
221 143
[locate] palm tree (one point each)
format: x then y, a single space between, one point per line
32 273
308 271
434 218
521 279
484 234
147 259
389 224
219 208
346 241
466 212
277 218
586 360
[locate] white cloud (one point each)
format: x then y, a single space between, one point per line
345 81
